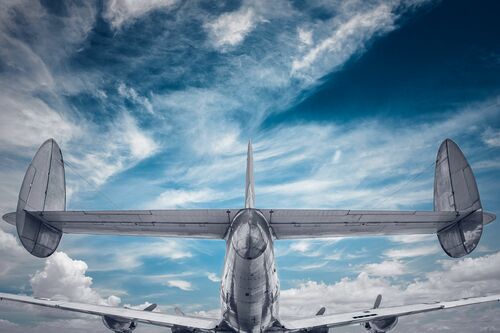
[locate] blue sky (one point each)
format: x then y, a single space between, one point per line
153 103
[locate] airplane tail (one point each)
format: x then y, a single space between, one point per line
43 189
455 189
249 186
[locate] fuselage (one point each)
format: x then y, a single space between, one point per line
250 285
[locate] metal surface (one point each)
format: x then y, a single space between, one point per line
455 190
249 181
250 285
194 223
43 188
155 318
357 317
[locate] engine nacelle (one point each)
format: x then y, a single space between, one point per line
118 324
382 325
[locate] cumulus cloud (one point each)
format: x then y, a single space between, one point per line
65 278
453 280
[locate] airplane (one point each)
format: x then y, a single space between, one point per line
250 287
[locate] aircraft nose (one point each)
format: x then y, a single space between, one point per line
249 238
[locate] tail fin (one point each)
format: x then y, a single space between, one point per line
43 189
455 189
249 187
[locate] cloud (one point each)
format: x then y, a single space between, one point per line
230 29
64 278
213 277
492 137
348 37
305 36
175 198
409 239
386 268
119 12
124 144
181 284
131 94
454 280
410 252
132 254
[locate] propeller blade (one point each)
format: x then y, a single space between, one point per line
377 302
179 312
321 311
150 307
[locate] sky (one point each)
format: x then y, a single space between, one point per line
153 103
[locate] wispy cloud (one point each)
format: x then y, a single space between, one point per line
120 12
348 37
230 29
410 252
181 284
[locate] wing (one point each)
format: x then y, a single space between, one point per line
313 223
195 223
153 318
343 319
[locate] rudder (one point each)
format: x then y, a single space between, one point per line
455 189
43 189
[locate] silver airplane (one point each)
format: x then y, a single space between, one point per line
250 286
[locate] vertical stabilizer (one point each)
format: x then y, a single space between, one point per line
249 187
455 189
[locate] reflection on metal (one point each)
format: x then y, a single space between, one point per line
250 286
455 190
43 188
249 237
249 181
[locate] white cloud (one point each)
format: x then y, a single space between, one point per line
181 284
455 279
410 252
64 278
132 254
213 277
119 12
386 268
492 137
305 36
347 38
230 29
300 246
133 95
409 239
124 144
175 198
